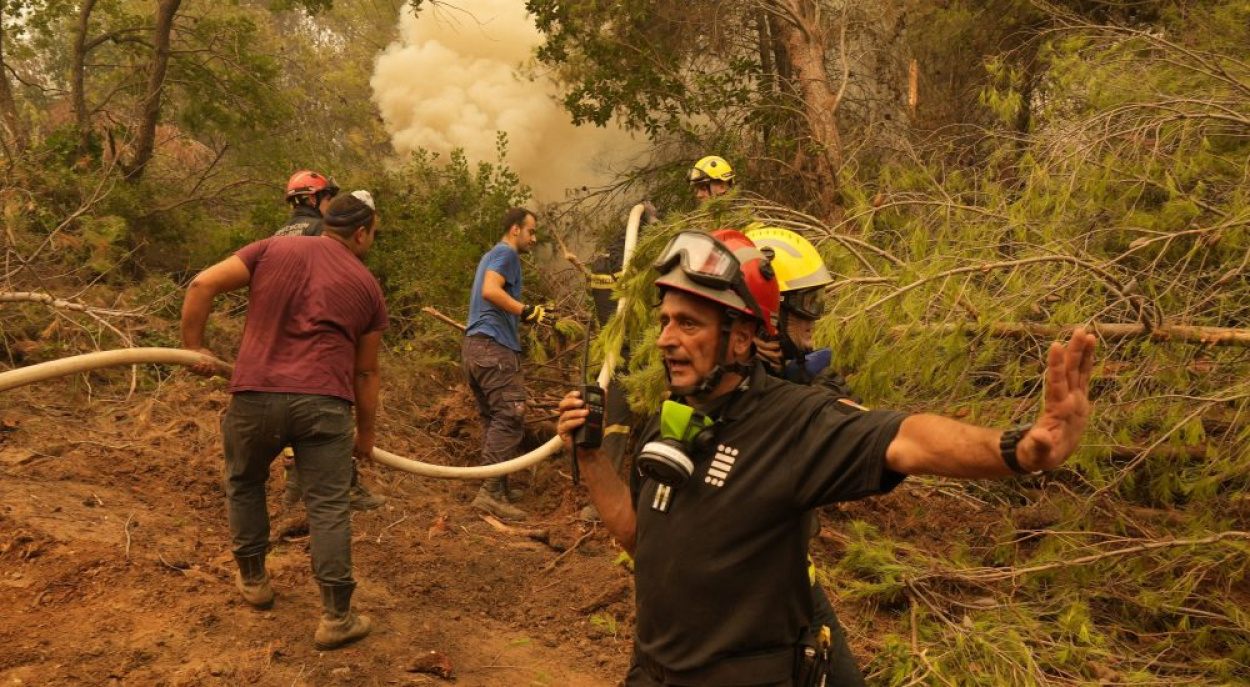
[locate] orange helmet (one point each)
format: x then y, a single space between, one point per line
308 183
724 267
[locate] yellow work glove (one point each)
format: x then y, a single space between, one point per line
534 314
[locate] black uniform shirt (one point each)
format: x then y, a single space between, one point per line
720 562
305 221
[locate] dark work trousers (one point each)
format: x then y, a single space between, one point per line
320 429
843 670
493 372
842 667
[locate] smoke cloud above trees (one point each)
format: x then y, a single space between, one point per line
456 77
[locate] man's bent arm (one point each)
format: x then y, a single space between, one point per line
610 495
367 381
494 293
225 276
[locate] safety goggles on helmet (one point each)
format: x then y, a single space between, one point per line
703 259
808 303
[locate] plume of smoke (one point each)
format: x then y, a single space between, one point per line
451 81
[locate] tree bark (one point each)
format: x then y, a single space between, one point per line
78 76
8 104
803 34
150 105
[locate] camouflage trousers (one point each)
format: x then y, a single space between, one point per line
493 372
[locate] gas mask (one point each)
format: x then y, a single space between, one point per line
686 435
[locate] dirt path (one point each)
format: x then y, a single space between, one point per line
115 565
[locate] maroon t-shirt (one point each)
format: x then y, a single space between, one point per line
311 299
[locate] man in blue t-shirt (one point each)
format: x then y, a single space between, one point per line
491 354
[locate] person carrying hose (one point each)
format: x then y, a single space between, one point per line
309 193
309 354
491 355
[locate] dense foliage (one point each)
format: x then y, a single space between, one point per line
1065 163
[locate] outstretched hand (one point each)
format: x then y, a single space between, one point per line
1066 408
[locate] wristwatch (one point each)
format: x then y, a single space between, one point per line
1007 449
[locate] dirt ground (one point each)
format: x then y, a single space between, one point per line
115 565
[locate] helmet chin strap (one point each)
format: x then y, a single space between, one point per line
712 379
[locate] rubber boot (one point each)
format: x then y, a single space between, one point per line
361 498
512 494
339 626
491 499
253 581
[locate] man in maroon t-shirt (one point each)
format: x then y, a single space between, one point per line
309 352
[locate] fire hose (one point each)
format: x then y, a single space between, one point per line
179 356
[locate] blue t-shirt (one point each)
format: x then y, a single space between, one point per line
485 318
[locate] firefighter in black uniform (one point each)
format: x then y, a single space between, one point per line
308 193
735 458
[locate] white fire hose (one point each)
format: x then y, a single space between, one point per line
179 356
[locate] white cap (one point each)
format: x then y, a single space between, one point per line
366 198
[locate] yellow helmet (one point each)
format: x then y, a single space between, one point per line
710 168
795 261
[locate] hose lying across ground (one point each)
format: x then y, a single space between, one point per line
179 356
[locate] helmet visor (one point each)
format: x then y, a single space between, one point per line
702 258
809 303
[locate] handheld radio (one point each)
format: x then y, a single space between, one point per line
590 434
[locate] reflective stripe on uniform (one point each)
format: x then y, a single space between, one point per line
604 281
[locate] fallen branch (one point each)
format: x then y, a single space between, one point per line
61 303
984 575
1205 336
568 254
1151 319
126 527
607 598
433 312
1167 452
384 529
531 533
551 566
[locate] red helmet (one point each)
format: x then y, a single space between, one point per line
746 284
307 182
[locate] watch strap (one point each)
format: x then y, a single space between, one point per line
1007 449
